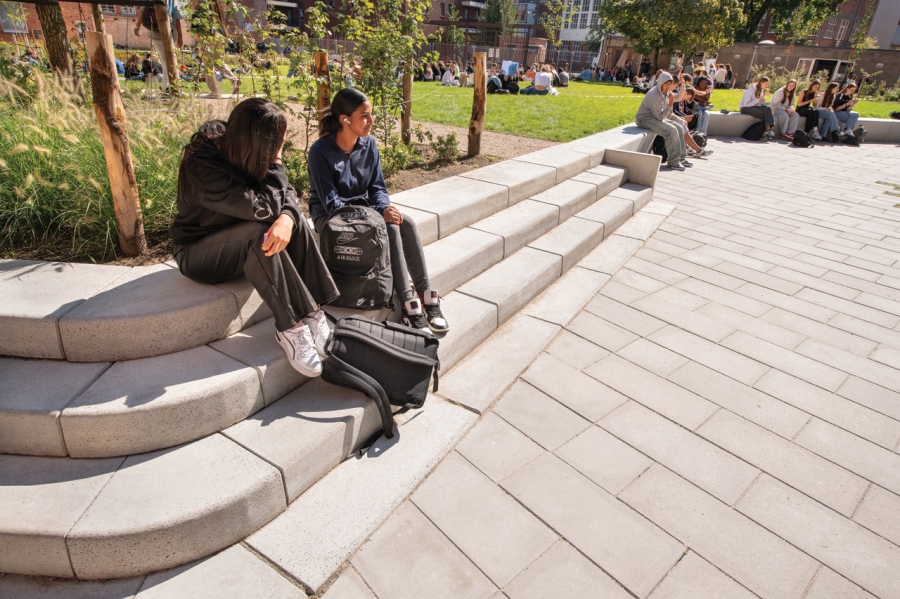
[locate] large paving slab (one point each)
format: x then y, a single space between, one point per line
457 201
35 295
522 179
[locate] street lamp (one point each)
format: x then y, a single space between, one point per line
752 60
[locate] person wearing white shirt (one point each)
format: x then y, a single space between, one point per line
543 83
783 110
753 103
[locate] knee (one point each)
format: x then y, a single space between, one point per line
408 225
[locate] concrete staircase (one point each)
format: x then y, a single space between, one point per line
157 421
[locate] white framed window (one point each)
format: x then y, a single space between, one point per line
595 4
759 27
829 29
771 28
108 9
576 5
842 29
583 22
128 11
593 19
10 21
567 24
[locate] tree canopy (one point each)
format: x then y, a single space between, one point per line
802 12
500 11
664 25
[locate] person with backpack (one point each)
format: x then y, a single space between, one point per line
654 113
783 110
806 108
344 168
843 102
831 127
753 103
237 213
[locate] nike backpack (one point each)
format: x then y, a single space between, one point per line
801 139
354 245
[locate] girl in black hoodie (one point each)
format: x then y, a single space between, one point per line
237 213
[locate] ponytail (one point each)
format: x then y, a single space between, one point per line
345 103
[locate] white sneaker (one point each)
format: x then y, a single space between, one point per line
318 326
300 348
815 135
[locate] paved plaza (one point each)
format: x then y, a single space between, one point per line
721 420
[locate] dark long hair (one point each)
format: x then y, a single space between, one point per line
345 103
250 139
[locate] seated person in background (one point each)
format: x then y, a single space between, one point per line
687 108
824 105
447 78
729 76
783 110
753 103
654 113
702 96
543 83
564 76
510 83
151 68
843 104
585 75
133 68
30 57
719 79
344 166
427 73
806 108
555 75
237 213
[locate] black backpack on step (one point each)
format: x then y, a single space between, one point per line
755 131
857 138
390 363
659 148
801 139
354 245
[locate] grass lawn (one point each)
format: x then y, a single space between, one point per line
579 110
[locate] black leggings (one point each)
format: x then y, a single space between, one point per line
812 117
292 282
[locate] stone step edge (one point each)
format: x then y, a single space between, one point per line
238 294
86 447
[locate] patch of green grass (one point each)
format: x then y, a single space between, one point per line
579 110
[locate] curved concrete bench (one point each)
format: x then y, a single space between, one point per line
734 124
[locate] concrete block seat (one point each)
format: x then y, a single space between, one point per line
734 124
153 462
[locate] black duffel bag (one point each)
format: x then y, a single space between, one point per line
390 363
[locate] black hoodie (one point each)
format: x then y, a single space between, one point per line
212 194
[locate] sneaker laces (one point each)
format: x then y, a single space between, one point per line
319 329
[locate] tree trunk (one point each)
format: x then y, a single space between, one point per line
99 25
479 104
323 98
55 40
655 60
406 114
111 117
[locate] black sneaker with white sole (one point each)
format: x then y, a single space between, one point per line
414 317
431 301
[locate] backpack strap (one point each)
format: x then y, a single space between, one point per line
341 373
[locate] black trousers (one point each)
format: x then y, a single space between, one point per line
812 117
763 113
407 258
292 282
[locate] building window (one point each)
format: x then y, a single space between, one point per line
567 24
108 9
128 11
842 29
38 34
576 5
595 5
593 19
759 28
771 26
584 20
829 29
443 10
10 21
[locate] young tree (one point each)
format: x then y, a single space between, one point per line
664 25
502 12
556 14
455 35
859 39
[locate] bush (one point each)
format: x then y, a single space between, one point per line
54 187
445 147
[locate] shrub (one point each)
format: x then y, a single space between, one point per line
446 147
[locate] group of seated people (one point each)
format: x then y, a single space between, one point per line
833 107
677 108
237 213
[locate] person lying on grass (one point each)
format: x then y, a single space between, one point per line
237 214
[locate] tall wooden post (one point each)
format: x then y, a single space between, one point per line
111 116
323 100
479 104
99 25
406 114
170 60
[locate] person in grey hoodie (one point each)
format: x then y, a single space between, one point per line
654 113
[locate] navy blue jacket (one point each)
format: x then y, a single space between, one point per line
336 177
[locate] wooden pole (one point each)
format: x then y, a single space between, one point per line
479 104
99 25
323 100
111 116
406 114
170 60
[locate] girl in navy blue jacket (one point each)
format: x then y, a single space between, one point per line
344 167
